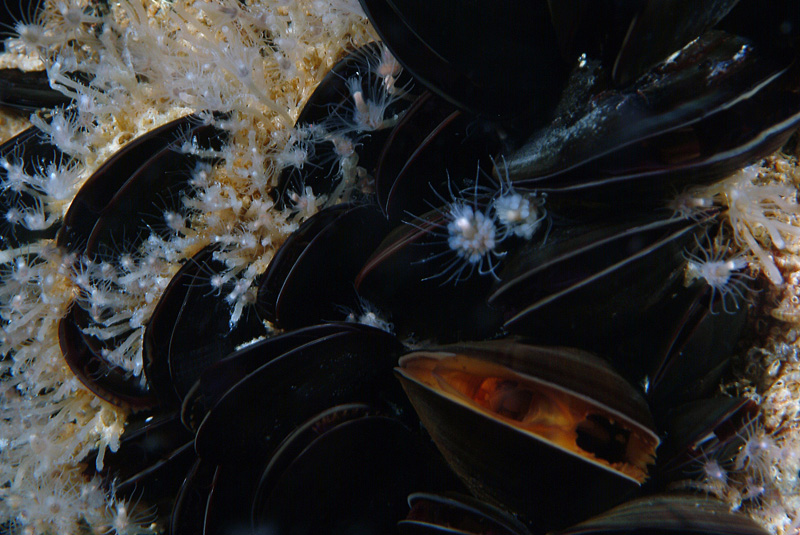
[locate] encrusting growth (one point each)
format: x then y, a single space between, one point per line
129 69
756 212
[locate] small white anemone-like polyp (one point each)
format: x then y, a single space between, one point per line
370 109
723 275
16 179
520 215
388 69
688 206
34 217
369 314
472 233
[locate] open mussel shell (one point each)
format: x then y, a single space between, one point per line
515 421
437 44
669 513
433 514
295 292
359 465
711 109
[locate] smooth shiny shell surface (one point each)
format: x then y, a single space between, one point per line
438 43
688 515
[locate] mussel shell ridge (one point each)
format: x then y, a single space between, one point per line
666 513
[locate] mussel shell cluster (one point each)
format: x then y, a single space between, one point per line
523 363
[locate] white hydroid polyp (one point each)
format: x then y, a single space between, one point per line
472 233
472 240
723 274
518 213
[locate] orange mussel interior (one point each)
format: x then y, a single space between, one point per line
565 419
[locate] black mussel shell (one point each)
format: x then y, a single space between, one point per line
134 187
711 109
597 287
347 469
332 96
225 373
498 413
84 355
113 210
433 151
281 265
188 512
190 329
700 430
28 91
307 431
119 205
311 278
631 37
352 365
295 443
660 514
152 460
431 293
774 25
660 28
696 348
359 466
487 58
227 507
285 380
328 142
456 514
